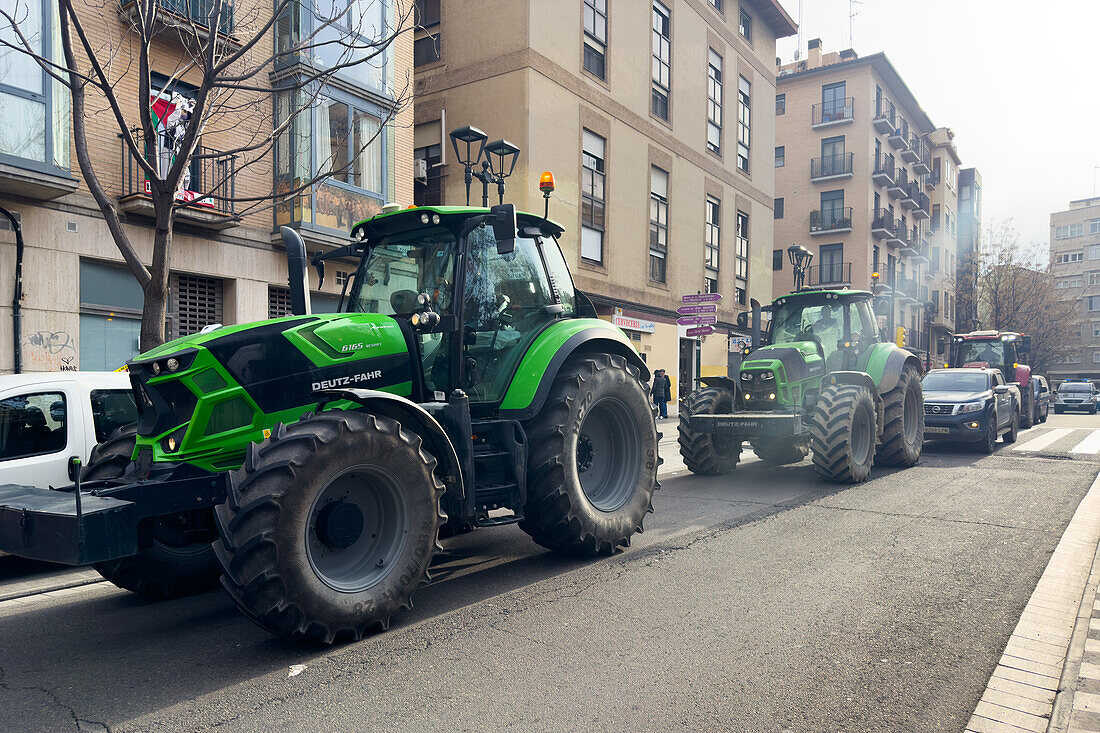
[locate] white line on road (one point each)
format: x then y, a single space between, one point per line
1090 444
1044 440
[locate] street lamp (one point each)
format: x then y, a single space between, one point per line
929 313
503 151
800 258
470 136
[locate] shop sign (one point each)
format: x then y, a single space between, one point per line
633 324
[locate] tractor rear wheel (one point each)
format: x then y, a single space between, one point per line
903 426
592 467
329 526
708 454
180 561
780 451
1028 418
843 433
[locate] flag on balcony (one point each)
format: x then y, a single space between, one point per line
171 113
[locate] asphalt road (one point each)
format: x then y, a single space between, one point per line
766 600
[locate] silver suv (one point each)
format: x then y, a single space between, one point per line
1075 395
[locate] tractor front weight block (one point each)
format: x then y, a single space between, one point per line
762 424
81 526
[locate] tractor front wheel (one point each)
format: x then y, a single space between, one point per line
843 433
903 426
708 454
780 451
593 458
180 561
329 526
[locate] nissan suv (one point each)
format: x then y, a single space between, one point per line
971 406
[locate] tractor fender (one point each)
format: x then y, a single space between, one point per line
723 382
895 362
861 379
594 339
414 418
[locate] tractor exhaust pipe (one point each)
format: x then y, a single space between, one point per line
755 304
297 272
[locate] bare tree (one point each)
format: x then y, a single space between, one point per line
239 88
1016 292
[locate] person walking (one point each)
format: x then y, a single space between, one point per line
662 391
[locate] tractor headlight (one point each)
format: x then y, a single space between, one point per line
771 395
173 364
746 377
424 219
971 407
155 367
435 218
767 377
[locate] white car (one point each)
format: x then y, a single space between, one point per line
48 417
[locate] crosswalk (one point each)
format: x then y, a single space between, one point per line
1075 441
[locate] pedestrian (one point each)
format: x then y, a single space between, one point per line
662 391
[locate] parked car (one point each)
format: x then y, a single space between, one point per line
47 417
970 405
1042 398
1075 394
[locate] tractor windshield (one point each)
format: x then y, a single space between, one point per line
825 321
991 352
399 267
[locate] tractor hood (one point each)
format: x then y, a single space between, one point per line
798 360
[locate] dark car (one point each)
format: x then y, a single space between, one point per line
970 405
1075 395
1041 391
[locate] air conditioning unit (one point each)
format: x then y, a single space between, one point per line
420 168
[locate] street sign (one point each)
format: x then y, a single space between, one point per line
696 320
687 310
701 298
700 331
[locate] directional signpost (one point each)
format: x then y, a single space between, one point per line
690 310
701 298
696 320
700 331
702 312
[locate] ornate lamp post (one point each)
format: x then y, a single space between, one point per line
800 258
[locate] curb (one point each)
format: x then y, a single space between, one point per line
1067 685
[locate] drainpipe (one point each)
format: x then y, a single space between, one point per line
17 297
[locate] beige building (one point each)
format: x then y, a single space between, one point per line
942 231
81 305
1075 258
655 119
854 181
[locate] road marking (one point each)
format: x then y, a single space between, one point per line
1037 444
1090 444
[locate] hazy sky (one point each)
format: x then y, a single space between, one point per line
1018 82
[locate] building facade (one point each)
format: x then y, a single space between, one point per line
943 232
655 119
854 184
82 306
968 244
1075 261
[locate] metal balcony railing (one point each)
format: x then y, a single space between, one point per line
833 112
884 168
831 166
884 115
830 220
831 273
208 183
882 222
199 12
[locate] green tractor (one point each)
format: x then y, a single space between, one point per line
817 379
313 462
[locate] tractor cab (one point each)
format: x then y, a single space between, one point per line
993 349
838 323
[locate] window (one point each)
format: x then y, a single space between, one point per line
349 145
778 208
1094 303
1094 252
777 260
874 259
714 102
1070 282
592 196
341 278
1094 278
713 242
834 102
428 190
741 274
1068 231
1096 357
662 58
935 223
658 223
347 36
831 215
111 409
780 156
832 264
595 37
1070 257
1094 226
426 46
1096 330
717 4
35 107
744 26
32 425
743 123
780 104
198 303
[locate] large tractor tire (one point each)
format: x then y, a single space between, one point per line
180 561
329 526
1028 418
708 454
780 451
903 426
592 466
843 433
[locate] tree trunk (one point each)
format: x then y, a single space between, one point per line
154 315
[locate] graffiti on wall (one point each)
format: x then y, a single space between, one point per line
50 351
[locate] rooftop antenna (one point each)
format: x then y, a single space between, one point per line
798 49
852 13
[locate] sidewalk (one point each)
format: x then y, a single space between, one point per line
1048 678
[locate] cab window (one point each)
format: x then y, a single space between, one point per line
559 276
32 425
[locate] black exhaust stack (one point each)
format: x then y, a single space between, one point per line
755 304
297 272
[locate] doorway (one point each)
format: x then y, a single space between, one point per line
687 368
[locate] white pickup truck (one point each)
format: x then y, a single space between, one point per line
47 417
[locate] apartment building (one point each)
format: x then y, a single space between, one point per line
82 306
943 233
1075 259
968 244
655 119
854 182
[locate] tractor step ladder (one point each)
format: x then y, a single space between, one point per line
498 497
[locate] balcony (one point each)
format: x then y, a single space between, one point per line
912 153
899 138
833 113
830 167
923 204
210 174
923 164
920 257
900 186
884 116
884 169
929 183
882 223
831 221
831 273
907 290
905 241
912 193
191 16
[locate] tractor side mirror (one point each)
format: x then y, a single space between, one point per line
1024 344
297 272
743 319
504 227
882 306
73 466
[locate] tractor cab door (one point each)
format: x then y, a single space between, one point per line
506 301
